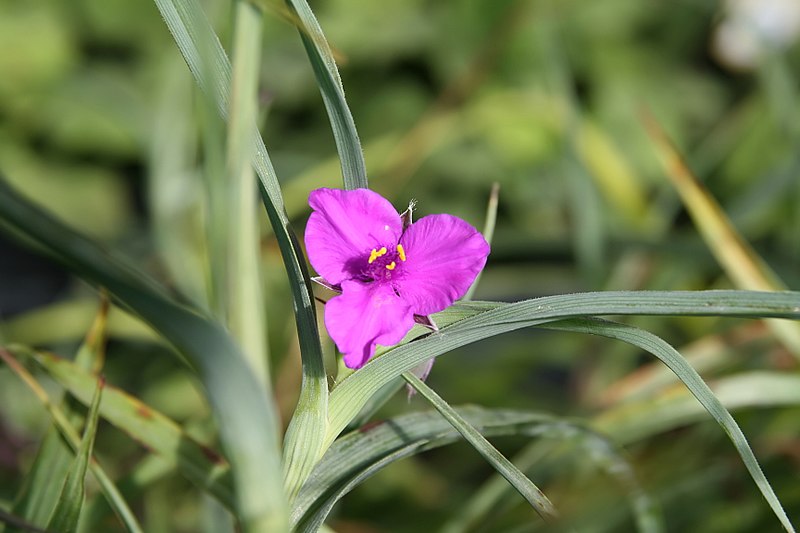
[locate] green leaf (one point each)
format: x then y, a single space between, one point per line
246 318
670 357
39 495
499 462
200 464
212 71
245 414
361 453
70 502
319 53
72 438
465 323
490 319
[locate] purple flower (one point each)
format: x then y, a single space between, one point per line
387 271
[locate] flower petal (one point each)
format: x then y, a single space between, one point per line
344 227
366 314
444 254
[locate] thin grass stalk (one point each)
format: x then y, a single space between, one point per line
535 497
246 316
306 432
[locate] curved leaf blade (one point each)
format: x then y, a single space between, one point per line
354 170
211 69
670 357
246 416
541 504
359 454
465 323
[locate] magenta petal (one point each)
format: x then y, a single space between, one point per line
444 254
366 314
344 227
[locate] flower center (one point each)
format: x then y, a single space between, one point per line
382 262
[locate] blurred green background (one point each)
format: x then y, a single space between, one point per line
100 122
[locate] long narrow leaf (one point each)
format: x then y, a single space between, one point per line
361 453
306 432
245 310
70 435
39 494
474 321
201 465
246 416
319 53
70 503
499 462
670 357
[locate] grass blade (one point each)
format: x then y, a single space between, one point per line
354 170
305 436
351 394
359 454
246 416
72 438
499 462
73 493
670 357
39 495
465 323
200 464
245 307
488 232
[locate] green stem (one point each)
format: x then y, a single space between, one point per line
245 308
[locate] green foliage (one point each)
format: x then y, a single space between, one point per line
228 411
70 501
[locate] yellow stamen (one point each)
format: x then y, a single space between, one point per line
374 254
401 252
391 265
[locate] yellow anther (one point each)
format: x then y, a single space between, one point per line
374 254
401 252
391 265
